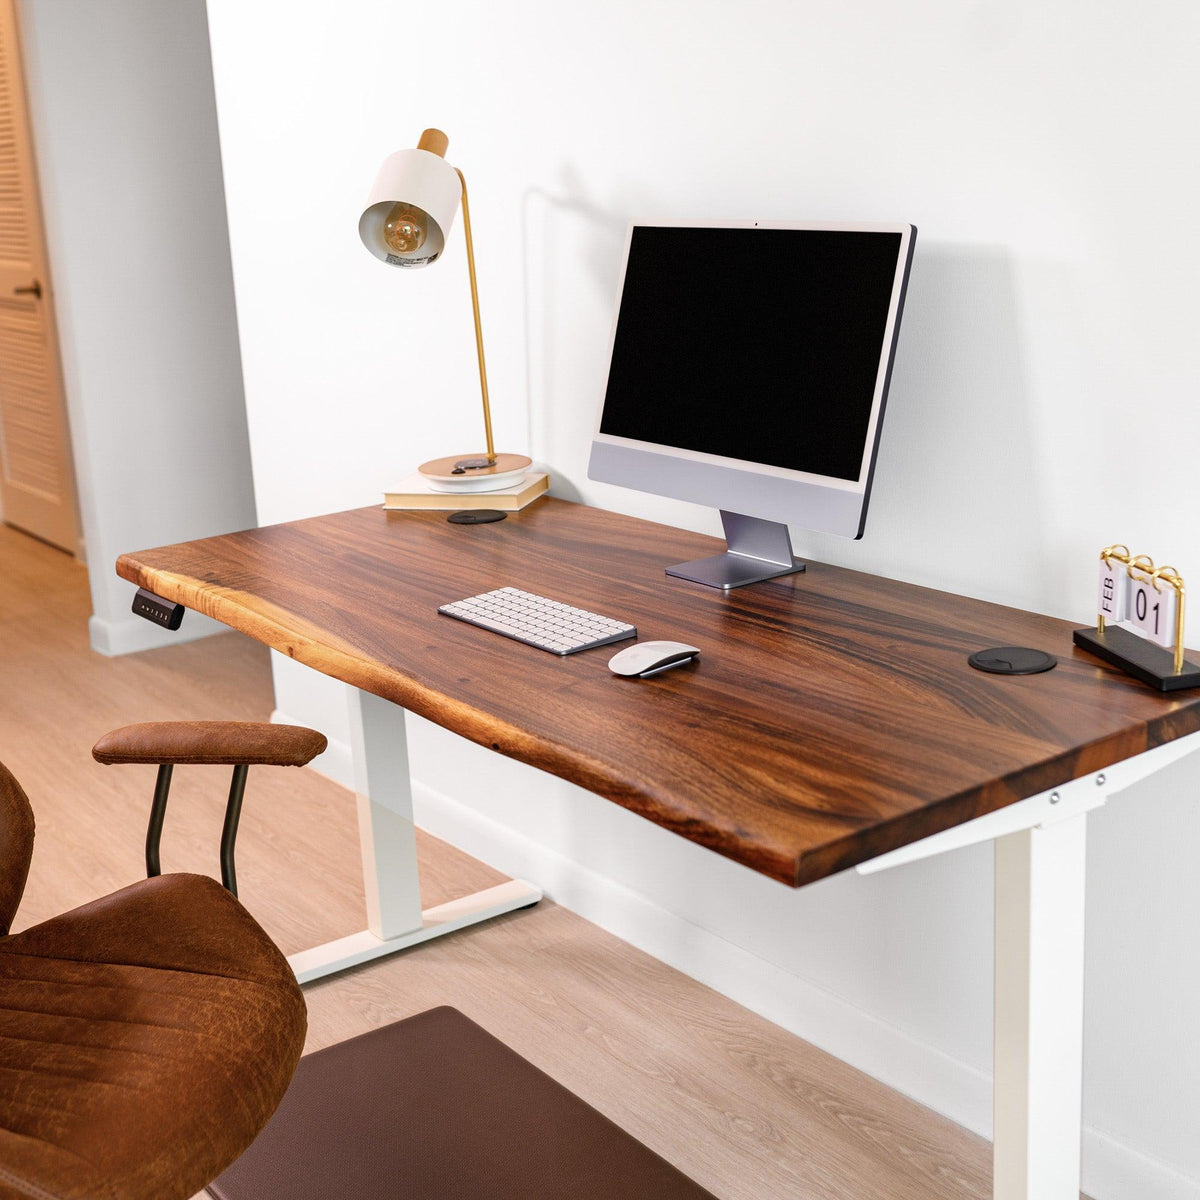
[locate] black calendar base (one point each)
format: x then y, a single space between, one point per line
1139 657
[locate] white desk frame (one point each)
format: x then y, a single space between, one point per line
1040 849
1040 853
395 920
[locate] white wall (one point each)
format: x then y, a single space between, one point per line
124 121
1047 354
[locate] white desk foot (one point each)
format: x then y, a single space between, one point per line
1038 1061
388 840
445 918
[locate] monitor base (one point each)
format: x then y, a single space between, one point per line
757 550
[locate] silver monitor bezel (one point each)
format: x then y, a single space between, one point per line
818 502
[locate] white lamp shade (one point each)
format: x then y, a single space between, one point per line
425 181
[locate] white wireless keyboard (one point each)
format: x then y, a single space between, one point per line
537 621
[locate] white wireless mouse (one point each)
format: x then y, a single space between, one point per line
648 658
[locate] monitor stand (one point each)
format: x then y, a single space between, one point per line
757 550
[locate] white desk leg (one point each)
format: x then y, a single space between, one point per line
388 837
1038 1059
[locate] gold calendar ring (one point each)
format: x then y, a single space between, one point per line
1171 576
1143 563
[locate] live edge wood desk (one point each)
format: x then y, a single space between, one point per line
831 722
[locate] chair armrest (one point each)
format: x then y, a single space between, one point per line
220 743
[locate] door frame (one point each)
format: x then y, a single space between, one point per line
72 531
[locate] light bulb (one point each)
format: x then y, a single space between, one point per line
404 228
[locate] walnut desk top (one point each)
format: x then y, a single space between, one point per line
830 718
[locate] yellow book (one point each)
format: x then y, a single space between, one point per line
415 492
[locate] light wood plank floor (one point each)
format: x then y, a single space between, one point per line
744 1108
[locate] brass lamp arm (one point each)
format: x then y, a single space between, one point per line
487 412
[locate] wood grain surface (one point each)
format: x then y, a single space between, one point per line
739 1104
831 717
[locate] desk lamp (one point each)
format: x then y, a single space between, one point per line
405 224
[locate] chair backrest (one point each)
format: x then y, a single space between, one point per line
16 845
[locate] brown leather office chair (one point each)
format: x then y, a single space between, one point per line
145 1038
474 1120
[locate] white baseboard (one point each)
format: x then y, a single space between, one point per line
1111 1169
1114 1171
131 634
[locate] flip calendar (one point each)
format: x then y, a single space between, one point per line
1140 611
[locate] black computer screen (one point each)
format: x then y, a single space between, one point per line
756 344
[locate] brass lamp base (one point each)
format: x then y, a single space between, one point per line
473 473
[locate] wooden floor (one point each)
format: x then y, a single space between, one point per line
743 1107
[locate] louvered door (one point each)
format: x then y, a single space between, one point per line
37 489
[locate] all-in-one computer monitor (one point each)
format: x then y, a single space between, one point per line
749 369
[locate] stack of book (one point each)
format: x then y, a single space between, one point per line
415 492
